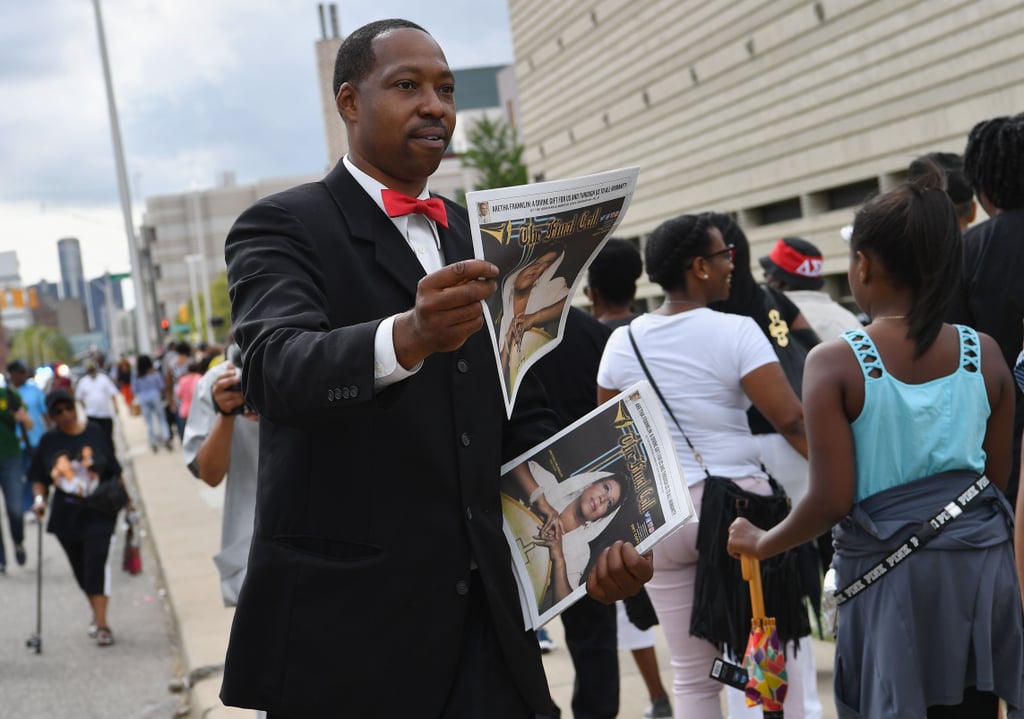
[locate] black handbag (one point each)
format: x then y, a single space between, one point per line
109 498
721 601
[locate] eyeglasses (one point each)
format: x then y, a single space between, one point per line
731 249
60 409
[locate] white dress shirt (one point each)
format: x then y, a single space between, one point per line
421 234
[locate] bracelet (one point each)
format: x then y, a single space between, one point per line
535 495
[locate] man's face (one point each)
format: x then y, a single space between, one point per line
401 116
18 377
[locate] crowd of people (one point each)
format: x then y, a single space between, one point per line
377 516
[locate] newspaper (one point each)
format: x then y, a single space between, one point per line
613 474
541 237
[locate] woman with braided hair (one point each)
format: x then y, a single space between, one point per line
710 367
990 297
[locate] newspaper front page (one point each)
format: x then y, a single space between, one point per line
542 237
613 474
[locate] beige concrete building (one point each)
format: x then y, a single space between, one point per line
785 112
194 223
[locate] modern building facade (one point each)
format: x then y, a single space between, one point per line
787 113
15 312
194 223
72 277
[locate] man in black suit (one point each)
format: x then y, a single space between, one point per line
379 580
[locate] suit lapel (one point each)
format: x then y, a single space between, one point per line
368 224
456 242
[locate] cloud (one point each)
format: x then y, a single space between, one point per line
202 86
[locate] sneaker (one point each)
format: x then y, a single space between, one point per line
104 637
3 568
91 629
545 641
170 445
19 554
660 709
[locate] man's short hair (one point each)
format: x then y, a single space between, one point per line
17 366
356 58
615 270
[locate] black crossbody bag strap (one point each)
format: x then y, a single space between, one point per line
643 365
924 534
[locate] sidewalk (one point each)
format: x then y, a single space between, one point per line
183 517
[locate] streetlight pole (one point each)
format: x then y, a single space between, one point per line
190 262
203 275
142 325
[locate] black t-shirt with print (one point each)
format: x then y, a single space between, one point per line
73 464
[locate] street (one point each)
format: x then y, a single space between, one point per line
73 677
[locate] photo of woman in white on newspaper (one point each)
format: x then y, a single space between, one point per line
574 513
568 500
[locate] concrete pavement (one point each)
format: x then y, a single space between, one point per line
183 516
72 677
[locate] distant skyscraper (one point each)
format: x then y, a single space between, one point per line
97 305
72 278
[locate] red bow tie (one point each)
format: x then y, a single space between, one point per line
397 204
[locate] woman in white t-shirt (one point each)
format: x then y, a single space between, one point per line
709 367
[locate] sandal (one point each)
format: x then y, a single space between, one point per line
104 637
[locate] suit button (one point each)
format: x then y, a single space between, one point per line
469 513
330 395
353 391
344 393
461 588
463 366
465 439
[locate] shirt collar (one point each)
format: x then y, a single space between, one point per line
374 186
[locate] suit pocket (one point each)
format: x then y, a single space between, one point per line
338 550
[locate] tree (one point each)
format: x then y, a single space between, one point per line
39 345
220 306
494 152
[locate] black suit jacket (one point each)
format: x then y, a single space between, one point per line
370 505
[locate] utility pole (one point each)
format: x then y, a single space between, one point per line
142 325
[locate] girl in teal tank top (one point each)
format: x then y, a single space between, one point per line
896 429
908 431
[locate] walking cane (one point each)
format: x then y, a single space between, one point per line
36 640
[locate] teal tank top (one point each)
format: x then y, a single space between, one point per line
909 431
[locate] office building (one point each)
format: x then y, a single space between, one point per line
787 114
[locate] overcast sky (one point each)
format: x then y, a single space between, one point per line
202 86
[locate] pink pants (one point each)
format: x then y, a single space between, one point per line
697 696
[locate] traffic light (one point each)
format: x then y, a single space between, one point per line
165 325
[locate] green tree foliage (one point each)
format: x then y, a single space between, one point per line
220 306
39 345
495 153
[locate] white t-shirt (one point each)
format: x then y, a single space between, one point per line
828 318
95 393
697 359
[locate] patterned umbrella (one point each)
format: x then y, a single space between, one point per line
764 660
